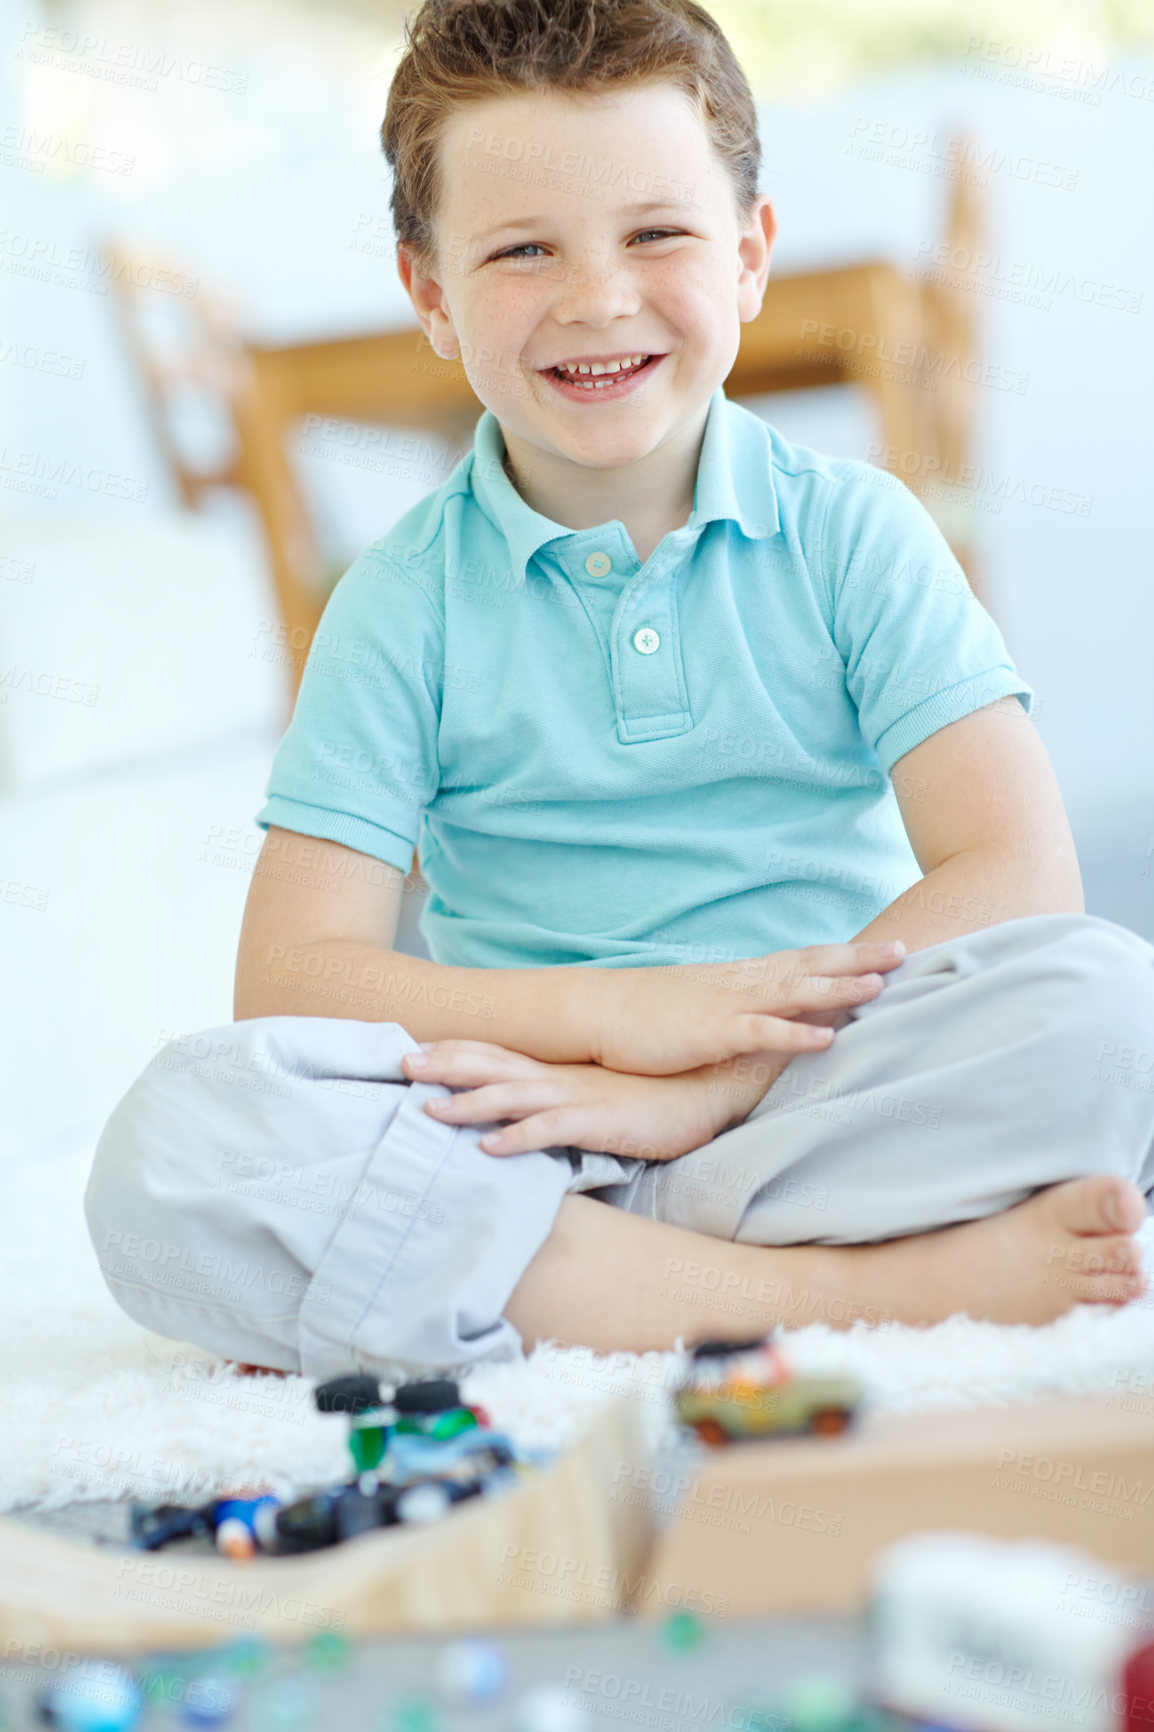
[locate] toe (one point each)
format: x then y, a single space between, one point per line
1104 1255
1103 1203
1110 1289
1124 1204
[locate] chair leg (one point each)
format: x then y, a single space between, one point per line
262 422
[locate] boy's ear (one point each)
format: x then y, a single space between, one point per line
429 304
753 251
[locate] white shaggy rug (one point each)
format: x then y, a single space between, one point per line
96 1407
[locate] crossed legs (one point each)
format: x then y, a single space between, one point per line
607 1279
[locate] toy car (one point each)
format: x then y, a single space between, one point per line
742 1389
428 1408
478 1451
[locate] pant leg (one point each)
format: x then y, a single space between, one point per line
273 1191
989 1065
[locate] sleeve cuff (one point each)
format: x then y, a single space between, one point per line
351 832
949 706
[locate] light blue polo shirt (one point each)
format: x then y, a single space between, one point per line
620 764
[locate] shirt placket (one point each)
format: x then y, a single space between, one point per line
648 671
639 631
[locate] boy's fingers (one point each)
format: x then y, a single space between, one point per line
442 1049
559 1127
822 991
755 1033
466 1064
496 1101
832 959
853 958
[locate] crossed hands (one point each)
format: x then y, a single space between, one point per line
679 1054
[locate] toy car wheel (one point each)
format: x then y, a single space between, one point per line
829 1421
712 1432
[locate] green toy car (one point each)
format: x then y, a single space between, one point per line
743 1389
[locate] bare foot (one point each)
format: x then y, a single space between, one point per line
609 1280
1068 1245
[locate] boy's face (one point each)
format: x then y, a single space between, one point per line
590 230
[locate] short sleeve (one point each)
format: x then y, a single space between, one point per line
358 763
920 650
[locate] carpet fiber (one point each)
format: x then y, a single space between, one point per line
97 1408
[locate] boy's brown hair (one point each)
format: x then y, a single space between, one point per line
461 51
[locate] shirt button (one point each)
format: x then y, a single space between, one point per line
599 565
646 640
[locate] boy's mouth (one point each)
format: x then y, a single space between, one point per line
608 377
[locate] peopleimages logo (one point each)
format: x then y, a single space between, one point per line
1017 280
685 1494
976 485
1071 1483
951 157
572 1578
160 1263
119 62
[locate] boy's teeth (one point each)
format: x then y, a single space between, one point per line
580 370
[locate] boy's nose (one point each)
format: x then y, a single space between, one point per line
595 294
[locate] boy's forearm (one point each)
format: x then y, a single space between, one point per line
969 891
548 1013
963 894
972 890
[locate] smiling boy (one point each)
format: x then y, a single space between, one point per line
750 935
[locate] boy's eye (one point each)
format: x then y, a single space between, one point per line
525 246
658 234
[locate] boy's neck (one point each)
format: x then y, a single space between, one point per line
650 497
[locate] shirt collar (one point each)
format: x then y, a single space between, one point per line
734 482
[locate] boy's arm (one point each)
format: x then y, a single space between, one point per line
317 938
982 809
984 815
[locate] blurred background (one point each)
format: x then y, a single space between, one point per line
211 398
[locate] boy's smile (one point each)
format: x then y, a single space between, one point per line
594 299
592 376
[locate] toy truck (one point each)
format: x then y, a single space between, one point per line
743 1389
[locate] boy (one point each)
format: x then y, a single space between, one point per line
592 672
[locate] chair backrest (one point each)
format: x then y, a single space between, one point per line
186 345
951 304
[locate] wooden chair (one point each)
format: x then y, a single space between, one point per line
182 345
847 325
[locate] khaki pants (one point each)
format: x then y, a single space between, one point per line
272 1190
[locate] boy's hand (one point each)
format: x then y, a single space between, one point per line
581 1106
658 1021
